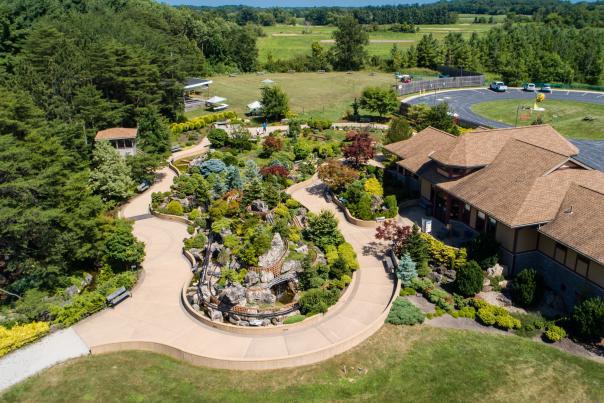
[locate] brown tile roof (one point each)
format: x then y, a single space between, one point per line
115 133
480 147
579 222
416 151
523 185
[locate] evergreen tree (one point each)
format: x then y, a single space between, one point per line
251 171
275 103
399 130
351 39
233 178
429 52
110 177
406 269
153 132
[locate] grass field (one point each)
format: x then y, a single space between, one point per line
286 41
325 96
566 116
419 364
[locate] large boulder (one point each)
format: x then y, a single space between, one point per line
266 276
290 265
234 294
497 270
251 278
260 296
215 315
272 256
260 206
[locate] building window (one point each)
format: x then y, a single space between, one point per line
466 214
480 220
491 226
581 265
560 253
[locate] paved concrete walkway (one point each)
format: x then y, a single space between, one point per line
155 319
29 360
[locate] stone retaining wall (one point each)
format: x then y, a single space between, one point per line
351 219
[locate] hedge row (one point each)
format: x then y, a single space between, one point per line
202 121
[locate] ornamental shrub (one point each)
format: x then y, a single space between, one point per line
323 230
526 287
79 307
363 209
211 166
486 316
331 254
554 333
588 318
217 137
318 300
374 187
507 322
407 291
19 335
391 205
406 269
404 312
348 255
442 254
467 312
174 208
469 279
196 242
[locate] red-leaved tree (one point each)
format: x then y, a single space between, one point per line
276 170
272 144
361 147
395 233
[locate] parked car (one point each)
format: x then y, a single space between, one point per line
498 86
546 88
530 87
143 186
175 148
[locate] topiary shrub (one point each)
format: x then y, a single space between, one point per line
588 318
404 312
526 287
469 279
554 333
174 208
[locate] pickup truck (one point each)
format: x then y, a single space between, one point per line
498 86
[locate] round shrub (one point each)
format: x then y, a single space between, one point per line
174 208
469 279
486 316
554 333
588 318
407 291
318 300
507 322
467 312
526 287
404 312
217 137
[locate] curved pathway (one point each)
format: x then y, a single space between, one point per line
154 319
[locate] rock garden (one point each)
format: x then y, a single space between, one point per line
261 258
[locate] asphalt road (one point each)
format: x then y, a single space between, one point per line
461 101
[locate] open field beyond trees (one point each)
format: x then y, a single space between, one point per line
322 96
578 120
396 364
286 41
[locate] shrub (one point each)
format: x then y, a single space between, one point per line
196 242
469 279
442 254
293 319
323 230
507 322
331 254
17 336
588 318
211 166
486 316
174 208
276 170
318 124
554 333
526 287
318 300
406 269
292 204
392 205
485 250
217 137
194 215
80 306
348 255
404 312
467 312
407 291
374 187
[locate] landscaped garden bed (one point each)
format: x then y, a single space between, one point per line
260 257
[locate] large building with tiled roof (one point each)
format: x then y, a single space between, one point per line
525 187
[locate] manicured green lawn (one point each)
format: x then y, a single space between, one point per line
285 41
419 364
326 95
566 116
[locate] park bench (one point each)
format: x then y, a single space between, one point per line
117 296
388 265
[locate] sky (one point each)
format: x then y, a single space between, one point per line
294 3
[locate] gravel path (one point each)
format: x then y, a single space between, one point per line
50 350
